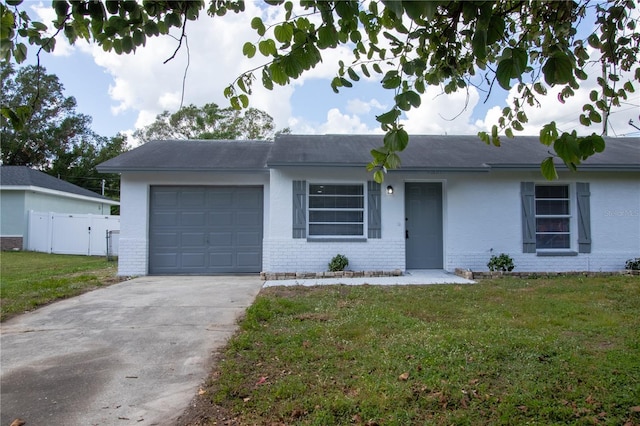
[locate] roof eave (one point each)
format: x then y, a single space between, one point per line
481 169
563 168
64 194
180 169
305 164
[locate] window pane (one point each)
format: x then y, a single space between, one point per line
335 229
555 224
552 241
552 191
338 202
552 207
336 216
336 190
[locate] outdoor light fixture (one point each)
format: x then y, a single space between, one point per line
389 189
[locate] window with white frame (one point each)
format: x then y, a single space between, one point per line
553 217
336 210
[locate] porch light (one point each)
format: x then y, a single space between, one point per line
389 189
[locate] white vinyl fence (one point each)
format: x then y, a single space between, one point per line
66 233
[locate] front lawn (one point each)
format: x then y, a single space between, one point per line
30 279
508 351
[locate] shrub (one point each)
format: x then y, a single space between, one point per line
503 262
338 263
633 264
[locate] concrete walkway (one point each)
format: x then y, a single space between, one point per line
130 354
411 277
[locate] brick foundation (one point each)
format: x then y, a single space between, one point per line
472 275
274 276
10 243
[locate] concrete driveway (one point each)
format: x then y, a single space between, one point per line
130 354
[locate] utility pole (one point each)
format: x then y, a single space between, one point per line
605 115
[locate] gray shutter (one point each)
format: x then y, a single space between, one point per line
584 217
527 194
299 209
373 210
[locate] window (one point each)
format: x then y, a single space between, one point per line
548 227
336 210
553 217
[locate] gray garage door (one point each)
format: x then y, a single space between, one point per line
205 229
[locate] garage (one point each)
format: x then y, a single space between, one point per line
205 229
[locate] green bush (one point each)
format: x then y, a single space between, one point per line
338 263
503 263
633 264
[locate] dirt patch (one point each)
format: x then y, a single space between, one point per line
201 410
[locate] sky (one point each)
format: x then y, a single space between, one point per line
125 92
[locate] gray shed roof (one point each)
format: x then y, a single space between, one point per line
435 153
442 153
192 155
26 176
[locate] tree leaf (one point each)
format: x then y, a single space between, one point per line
567 148
391 80
484 137
558 69
393 161
479 44
249 50
589 145
267 47
352 74
258 25
389 117
283 33
504 71
548 169
548 133
396 140
365 70
496 29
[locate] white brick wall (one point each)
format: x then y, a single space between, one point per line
530 262
132 257
298 255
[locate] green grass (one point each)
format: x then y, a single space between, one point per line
510 351
29 279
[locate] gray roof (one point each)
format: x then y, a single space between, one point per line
192 155
442 153
435 153
25 176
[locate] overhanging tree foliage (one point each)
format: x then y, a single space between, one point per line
53 126
533 45
209 122
54 138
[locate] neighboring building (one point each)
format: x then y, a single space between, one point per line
204 207
23 189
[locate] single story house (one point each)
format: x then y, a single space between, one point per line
23 189
207 207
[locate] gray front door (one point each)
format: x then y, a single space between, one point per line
205 229
423 225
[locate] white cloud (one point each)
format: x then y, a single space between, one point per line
443 114
336 123
144 85
358 106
